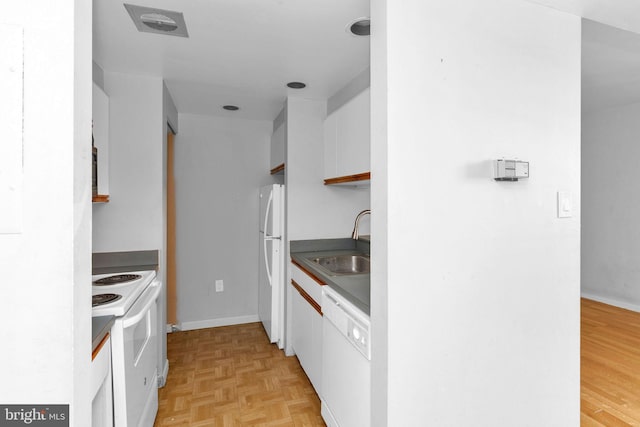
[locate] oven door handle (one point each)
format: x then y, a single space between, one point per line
152 295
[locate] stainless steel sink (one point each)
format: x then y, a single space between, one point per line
343 264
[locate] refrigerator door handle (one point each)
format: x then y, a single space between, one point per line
266 260
266 214
266 237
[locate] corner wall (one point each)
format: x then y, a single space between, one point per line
482 280
169 124
610 206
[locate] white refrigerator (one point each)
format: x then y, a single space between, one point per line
272 273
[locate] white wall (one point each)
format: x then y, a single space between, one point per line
481 287
379 194
352 89
220 163
610 206
46 268
133 218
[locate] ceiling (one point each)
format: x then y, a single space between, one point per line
239 52
610 66
243 52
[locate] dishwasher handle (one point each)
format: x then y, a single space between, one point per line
338 306
332 299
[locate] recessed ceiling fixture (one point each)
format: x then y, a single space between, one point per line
159 21
231 107
360 27
296 85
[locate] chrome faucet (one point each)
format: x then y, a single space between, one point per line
354 234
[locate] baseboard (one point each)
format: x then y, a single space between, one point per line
213 323
288 351
162 380
611 301
327 416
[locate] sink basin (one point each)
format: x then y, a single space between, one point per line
344 264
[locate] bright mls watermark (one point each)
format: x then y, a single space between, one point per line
34 415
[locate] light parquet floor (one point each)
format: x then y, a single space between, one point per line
610 366
232 376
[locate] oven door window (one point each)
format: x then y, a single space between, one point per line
140 337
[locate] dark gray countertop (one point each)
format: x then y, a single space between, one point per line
100 326
355 288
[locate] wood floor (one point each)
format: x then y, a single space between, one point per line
610 366
233 376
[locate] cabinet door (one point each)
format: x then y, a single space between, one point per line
307 338
353 136
277 146
301 334
347 138
316 350
101 388
101 136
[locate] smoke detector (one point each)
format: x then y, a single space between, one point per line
158 21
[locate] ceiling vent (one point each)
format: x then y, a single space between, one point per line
159 21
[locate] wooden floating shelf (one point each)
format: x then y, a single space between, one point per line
100 198
277 169
348 179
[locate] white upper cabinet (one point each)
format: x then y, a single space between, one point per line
101 137
277 149
347 140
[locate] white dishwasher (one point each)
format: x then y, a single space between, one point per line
346 355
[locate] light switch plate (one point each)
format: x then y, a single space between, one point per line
565 204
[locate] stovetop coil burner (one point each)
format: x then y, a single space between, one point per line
118 278
102 299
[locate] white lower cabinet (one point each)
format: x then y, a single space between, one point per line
101 387
307 336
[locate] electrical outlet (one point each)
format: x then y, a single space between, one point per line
219 285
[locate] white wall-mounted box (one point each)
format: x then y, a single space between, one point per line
510 170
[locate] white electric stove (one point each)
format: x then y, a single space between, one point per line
127 287
133 298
